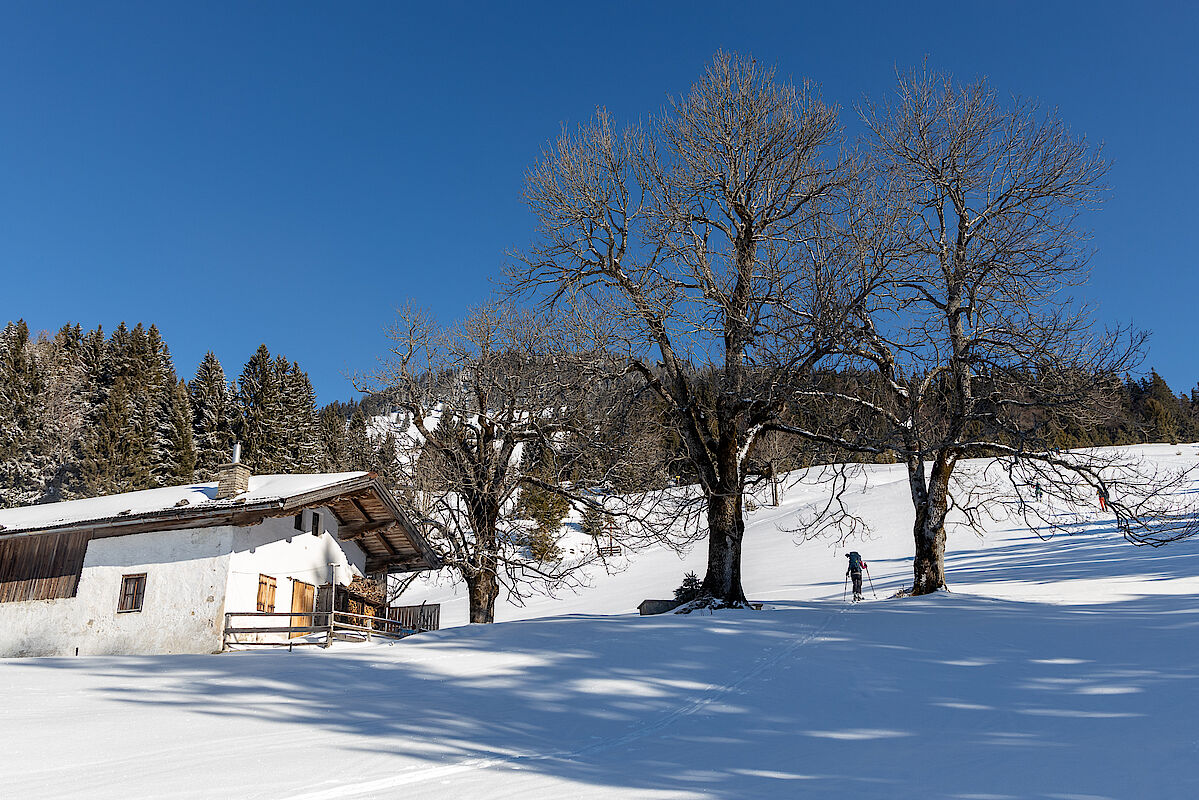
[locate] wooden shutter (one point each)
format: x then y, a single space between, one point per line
303 598
266 593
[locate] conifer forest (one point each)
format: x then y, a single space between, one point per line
85 413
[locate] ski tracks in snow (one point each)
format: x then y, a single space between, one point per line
709 695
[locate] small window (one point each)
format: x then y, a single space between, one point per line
133 591
300 521
316 524
266 593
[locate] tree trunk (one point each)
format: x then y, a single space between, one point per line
726 530
482 589
931 500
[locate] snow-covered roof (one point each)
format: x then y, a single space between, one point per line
168 499
365 510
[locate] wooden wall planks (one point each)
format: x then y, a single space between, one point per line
41 567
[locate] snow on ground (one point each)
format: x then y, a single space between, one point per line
1060 669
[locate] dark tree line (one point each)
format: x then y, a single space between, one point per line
85 414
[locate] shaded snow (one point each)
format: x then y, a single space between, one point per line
1059 669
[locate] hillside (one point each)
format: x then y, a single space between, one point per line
1059 669
1008 562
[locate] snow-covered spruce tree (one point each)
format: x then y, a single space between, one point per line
181 442
260 398
359 452
332 426
708 235
110 462
122 445
173 445
971 206
63 406
476 395
21 464
301 429
214 416
386 462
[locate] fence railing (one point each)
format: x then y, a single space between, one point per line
425 617
331 624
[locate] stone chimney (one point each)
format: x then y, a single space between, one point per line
232 478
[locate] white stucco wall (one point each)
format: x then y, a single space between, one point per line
277 549
192 577
186 575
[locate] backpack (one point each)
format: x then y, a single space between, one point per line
855 561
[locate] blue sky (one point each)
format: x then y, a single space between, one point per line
289 173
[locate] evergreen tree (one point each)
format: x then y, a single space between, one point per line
182 443
301 428
111 460
595 522
214 417
21 463
359 452
1160 409
261 400
333 435
172 453
63 406
386 461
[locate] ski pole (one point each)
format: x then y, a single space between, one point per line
845 587
871 583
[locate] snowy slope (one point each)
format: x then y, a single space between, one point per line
1005 563
1060 669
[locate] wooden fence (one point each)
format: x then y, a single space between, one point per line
335 625
424 617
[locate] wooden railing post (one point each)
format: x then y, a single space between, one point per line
332 601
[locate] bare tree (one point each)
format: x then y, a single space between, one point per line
707 235
477 399
971 207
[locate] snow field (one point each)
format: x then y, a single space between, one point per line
1059 669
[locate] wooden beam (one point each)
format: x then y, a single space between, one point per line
388 546
379 564
365 514
358 531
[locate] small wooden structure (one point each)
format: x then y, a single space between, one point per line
650 607
612 548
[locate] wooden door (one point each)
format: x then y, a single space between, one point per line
303 598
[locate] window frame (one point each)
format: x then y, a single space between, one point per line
266 600
137 598
314 526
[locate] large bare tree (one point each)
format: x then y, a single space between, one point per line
477 399
971 207
708 235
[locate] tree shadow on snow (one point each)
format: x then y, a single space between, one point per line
945 696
